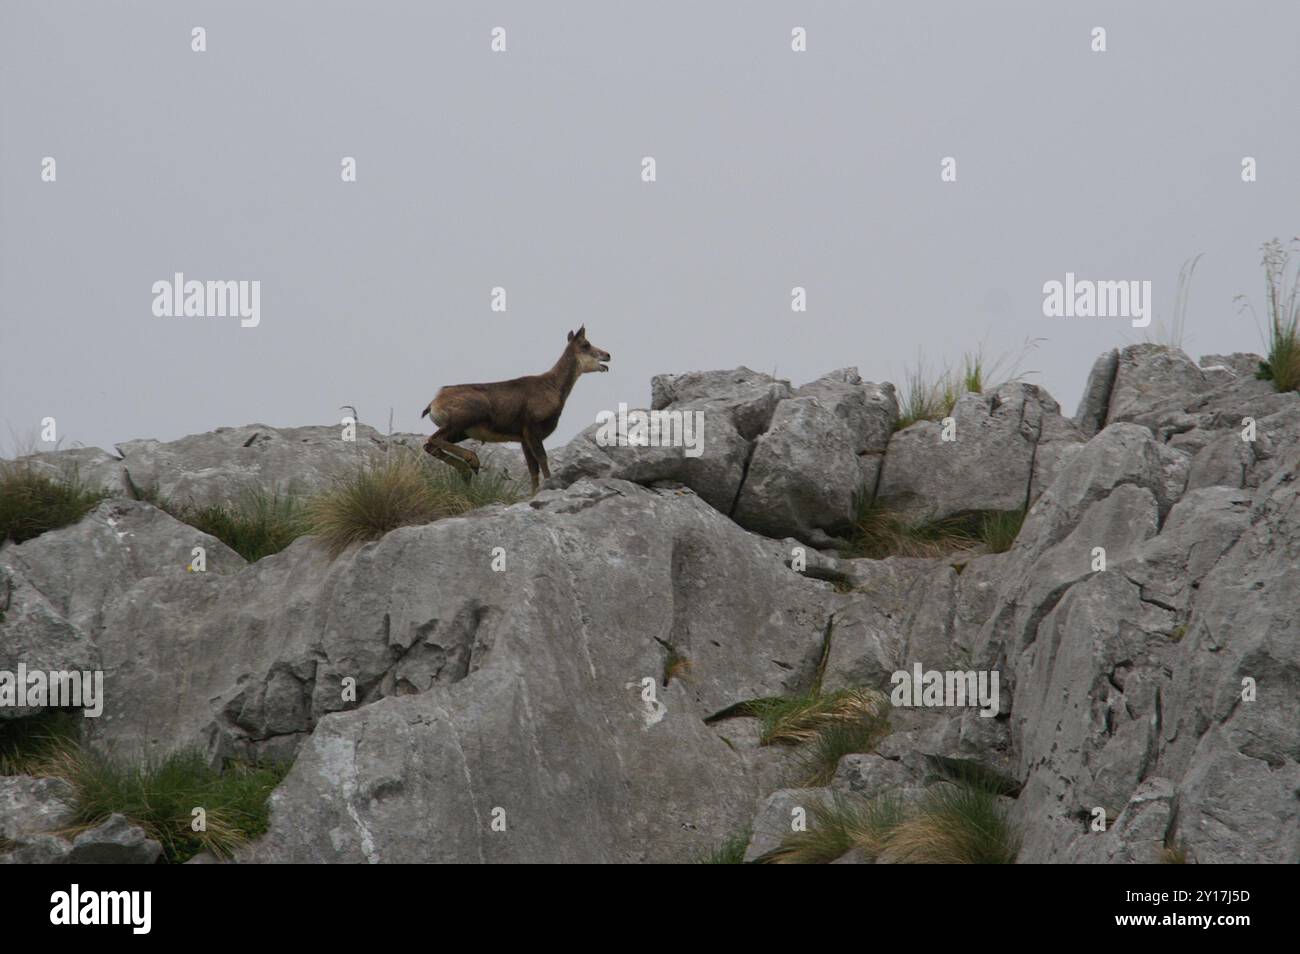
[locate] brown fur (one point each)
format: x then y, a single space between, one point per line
525 410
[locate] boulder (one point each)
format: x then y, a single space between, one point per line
821 452
482 689
114 842
93 466
804 474
32 806
868 410
745 398
1008 446
83 568
36 635
1151 375
715 474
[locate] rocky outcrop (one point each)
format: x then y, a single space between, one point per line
559 737
34 818
777 461
114 842
820 454
220 466
572 703
1005 449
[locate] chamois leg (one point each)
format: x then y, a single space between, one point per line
440 444
532 464
531 441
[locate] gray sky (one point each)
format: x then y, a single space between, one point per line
522 169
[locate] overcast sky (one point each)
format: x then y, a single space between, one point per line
523 169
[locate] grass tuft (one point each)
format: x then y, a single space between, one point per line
837 740
878 533
998 529
730 852
27 742
837 826
676 665
1281 365
399 491
259 524
160 797
955 825
32 503
927 397
799 719
1171 336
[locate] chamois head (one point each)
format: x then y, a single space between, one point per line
589 357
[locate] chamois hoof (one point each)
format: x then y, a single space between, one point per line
472 459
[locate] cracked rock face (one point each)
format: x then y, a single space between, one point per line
552 728
777 461
1143 625
1008 447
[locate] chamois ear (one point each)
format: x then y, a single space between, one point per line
570 335
582 332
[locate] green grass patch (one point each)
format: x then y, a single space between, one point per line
831 725
25 743
931 396
798 719
998 529
878 533
953 824
1281 364
822 755
837 826
160 797
924 397
32 502
258 523
730 852
406 489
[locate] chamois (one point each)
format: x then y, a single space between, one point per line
522 409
